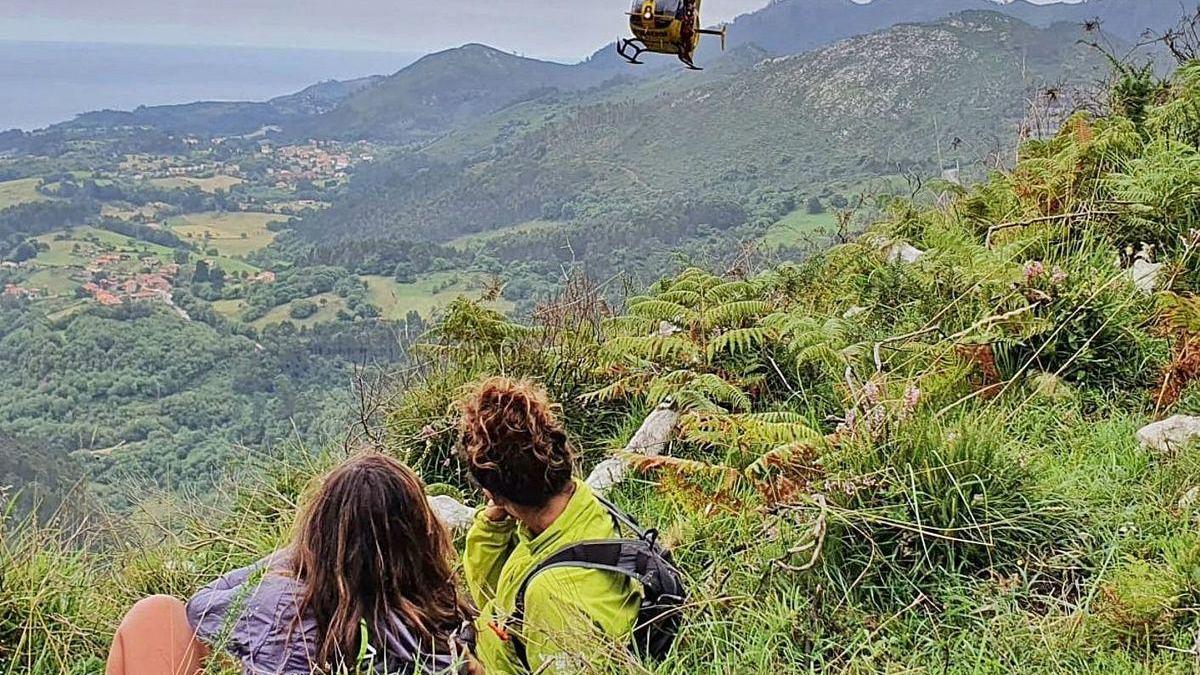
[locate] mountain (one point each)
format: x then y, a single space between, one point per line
867 106
444 91
794 26
228 117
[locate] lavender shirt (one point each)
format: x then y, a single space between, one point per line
251 613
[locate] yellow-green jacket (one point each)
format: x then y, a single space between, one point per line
571 614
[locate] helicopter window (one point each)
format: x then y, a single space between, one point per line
660 6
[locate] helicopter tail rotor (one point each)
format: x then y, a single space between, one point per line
723 33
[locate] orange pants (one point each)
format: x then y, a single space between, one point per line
156 639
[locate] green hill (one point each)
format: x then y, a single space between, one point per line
443 91
742 146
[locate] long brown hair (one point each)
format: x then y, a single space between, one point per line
368 548
513 442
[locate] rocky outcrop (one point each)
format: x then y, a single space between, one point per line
1171 434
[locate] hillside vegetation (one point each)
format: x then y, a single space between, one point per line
886 462
696 165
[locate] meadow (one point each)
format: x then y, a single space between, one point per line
19 191
231 233
210 184
425 296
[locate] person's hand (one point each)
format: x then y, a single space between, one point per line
493 511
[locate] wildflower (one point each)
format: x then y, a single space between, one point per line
912 397
1033 270
871 393
428 431
1058 276
851 421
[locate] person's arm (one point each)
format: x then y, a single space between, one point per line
209 610
489 543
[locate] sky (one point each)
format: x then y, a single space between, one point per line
565 30
557 29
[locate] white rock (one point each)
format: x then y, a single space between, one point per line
453 513
904 252
1170 434
1145 275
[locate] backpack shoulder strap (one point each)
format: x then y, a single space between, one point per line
620 518
627 557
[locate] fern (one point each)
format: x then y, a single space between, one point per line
737 341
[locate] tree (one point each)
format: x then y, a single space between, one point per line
403 273
303 309
815 206
25 250
201 274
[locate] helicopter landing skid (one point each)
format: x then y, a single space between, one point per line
624 45
687 61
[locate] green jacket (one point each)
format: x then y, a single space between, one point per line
566 609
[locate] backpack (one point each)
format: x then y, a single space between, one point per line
642 559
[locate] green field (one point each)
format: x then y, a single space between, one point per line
19 191
330 304
798 228
479 238
51 282
231 233
424 296
229 309
212 184
84 243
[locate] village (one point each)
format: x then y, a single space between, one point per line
286 165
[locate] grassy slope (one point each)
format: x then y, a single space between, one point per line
211 184
329 304
425 296
798 228
479 239
232 233
19 191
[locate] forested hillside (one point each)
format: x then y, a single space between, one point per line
651 166
775 27
135 396
929 448
444 91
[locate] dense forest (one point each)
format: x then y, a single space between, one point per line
135 395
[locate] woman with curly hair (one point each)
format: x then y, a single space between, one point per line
516 449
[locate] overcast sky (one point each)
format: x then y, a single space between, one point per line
559 29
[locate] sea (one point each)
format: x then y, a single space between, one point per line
42 83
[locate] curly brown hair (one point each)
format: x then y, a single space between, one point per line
512 441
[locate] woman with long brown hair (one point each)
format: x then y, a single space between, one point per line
366 586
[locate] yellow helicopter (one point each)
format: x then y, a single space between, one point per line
665 27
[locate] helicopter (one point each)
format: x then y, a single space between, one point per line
665 27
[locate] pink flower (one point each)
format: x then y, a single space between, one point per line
428 431
912 397
1033 270
1058 275
871 393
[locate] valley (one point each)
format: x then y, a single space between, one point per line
278 229
886 325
